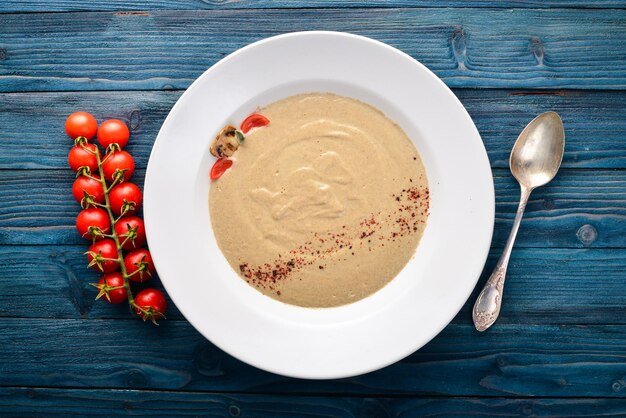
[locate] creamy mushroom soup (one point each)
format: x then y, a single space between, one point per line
324 205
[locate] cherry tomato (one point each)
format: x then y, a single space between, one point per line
127 194
119 160
152 302
80 157
139 260
220 167
107 287
255 120
113 131
102 256
92 187
81 124
91 218
131 232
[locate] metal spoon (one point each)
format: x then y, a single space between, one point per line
535 159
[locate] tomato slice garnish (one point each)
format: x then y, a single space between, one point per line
255 120
220 167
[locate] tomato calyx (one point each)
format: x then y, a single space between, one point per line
116 162
127 207
118 176
139 265
95 232
97 259
84 144
142 268
80 140
104 290
150 304
125 198
83 155
220 167
131 232
112 148
130 235
88 200
149 313
83 171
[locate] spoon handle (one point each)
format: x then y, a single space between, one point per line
487 306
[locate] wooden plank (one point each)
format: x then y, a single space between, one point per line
518 48
558 216
98 402
35 121
54 282
508 360
14 6
580 208
545 286
594 122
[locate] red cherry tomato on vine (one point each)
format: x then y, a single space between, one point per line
152 302
118 160
131 232
102 256
255 120
113 131
80 157
125 192
91 218
139 260
220 167
107 286
81 124
92 187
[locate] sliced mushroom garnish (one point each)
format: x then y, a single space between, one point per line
225 143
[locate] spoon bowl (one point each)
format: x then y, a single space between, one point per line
538 151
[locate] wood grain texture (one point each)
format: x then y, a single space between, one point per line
594 122
13 6
561 337
19 402
556 286
508 360
578 209
54 282
518 48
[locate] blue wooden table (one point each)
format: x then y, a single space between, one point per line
559 347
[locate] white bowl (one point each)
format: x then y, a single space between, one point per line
332 342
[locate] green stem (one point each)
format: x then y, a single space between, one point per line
113 184
120 256
119 217
135 272
109 259
124 242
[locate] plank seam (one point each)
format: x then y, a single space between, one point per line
358 395
539 6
